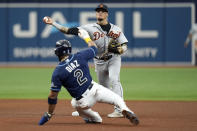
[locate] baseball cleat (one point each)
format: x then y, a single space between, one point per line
75 113
132 117
115 114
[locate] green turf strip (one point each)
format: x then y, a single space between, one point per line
138 83
160 83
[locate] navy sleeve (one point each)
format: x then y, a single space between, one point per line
73 31
89 53
55 82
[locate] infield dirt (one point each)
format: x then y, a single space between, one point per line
21 115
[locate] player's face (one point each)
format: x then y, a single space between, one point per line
100 14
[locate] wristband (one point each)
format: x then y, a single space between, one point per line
87 39
52 101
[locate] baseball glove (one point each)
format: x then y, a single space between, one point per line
115 47
105 56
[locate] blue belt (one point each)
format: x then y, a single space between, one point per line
89 88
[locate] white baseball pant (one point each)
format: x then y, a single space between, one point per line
97 93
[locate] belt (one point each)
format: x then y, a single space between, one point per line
89 88
105 58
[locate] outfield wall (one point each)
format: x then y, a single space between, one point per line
156 31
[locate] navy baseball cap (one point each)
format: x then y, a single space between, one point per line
102 7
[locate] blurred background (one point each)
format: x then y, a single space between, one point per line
156 29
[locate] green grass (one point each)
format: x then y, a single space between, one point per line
138 83
160 83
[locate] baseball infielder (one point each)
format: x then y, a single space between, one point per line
192 35
73 73
108 60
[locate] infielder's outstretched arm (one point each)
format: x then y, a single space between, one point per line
66 30
75 31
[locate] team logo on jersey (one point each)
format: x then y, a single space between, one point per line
111 34
98 35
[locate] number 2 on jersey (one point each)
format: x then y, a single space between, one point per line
79 75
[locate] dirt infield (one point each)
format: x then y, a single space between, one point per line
21 115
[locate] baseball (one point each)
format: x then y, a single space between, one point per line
45 19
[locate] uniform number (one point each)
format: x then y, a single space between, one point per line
79 75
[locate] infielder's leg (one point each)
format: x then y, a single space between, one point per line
108 74
114 77
102 74
107 96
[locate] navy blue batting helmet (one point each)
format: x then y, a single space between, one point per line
63 47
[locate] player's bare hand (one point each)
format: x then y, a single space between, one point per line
47 20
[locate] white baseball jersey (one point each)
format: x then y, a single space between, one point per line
101 38
193 31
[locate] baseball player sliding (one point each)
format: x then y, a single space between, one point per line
73 73
108 59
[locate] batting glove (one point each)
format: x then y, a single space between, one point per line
46 117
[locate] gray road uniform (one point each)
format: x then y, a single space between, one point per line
193 32
108 72
193 37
